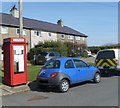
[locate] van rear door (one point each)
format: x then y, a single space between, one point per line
106 59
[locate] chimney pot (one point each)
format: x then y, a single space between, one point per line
60 23
14 12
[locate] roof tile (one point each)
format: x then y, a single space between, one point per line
8 19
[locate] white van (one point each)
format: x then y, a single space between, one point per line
108 59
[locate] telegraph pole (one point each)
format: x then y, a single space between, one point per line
20 19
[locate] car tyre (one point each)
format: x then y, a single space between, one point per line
64 86
97 78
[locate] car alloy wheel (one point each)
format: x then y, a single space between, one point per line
97 78
64 86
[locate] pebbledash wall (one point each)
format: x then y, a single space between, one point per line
44 36
38 31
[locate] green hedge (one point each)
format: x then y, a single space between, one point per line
95 49
64 48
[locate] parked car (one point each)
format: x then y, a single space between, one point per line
63 72
45 56
108 59
88 52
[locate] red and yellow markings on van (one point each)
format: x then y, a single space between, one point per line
106 62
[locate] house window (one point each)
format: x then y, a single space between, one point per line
49 34
77 38
18 31
82 38
37 33
63 36
4 30
70 37
24 32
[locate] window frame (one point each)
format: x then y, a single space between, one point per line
107 53
24 32
70 37
17 31
62 36
52 55
49 34
77 38
86 65
69 67
36 33
2 31
52 61
83 38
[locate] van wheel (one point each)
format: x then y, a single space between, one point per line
97 78
64 86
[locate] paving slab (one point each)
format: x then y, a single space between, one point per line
8 90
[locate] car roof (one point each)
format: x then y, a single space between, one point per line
106 50
66 58
103 51
52 52
48 52
115 50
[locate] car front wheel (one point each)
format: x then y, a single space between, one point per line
64 86
97 78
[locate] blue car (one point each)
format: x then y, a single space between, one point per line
63 72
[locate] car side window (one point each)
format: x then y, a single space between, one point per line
51 54
79 63
53 64
69 64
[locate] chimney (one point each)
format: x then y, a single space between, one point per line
60 23
14 12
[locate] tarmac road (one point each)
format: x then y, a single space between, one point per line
89 59
84 94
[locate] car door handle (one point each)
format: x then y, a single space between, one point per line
78 70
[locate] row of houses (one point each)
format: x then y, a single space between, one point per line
38 31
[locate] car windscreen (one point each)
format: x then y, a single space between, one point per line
106 55
52 64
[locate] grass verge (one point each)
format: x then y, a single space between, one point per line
33 71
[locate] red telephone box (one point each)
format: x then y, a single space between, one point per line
15 61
